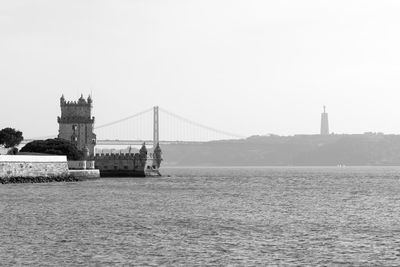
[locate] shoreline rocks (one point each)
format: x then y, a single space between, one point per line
39 179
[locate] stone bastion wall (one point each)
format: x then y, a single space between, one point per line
33 166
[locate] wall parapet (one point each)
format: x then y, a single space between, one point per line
29 158
33 166
121 156
77 164
81 164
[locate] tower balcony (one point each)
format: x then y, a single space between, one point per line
75 119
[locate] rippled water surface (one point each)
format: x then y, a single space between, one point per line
197 217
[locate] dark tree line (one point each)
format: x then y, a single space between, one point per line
11 138
54 146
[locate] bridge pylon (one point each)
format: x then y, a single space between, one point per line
156 127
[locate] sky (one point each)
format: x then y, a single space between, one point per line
250 67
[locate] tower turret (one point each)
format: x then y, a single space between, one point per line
143 150
157 155
143 155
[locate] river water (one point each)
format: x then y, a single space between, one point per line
203 216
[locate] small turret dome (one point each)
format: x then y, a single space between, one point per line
62 99
157 149
143 149
81 100
86 152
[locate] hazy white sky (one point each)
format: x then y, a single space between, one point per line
249 67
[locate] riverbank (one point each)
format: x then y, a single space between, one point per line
39 179
41 169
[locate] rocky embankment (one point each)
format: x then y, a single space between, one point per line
19 180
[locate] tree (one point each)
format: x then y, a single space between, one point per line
54 146
12 151
10 138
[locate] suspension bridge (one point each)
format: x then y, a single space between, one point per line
152 126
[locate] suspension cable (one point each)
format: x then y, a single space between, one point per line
201 125
124 119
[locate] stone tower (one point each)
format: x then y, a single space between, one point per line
324 123
76 123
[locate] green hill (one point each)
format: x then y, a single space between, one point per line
298 150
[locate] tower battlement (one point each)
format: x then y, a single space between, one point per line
81 101
76 111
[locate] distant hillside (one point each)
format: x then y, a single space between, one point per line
298 150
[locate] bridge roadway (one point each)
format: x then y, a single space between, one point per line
140 142
129 142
